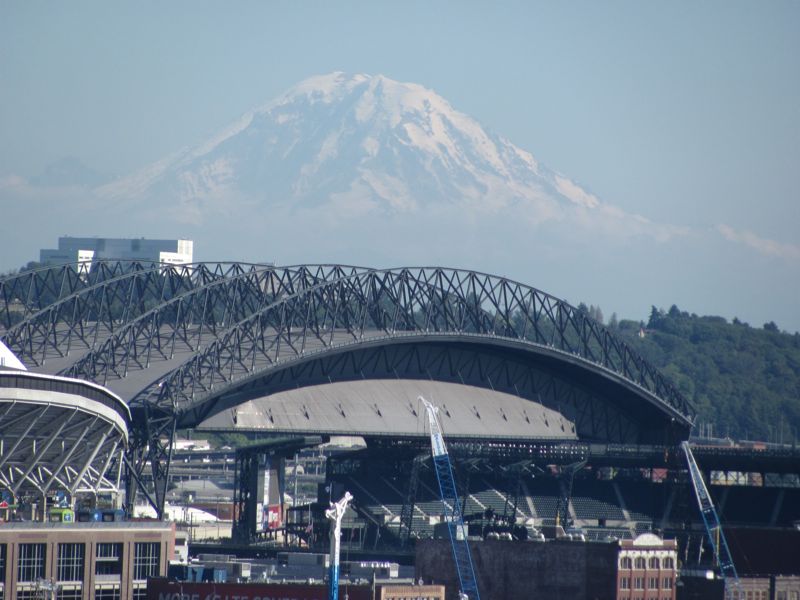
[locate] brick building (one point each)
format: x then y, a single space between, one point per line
647 568
82 561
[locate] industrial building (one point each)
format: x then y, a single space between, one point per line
83 251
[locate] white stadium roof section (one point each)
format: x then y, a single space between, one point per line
8 359
59 434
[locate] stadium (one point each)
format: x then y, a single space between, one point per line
555 426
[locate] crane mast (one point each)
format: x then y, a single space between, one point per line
452 508
335 513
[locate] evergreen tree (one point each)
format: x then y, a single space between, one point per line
740 379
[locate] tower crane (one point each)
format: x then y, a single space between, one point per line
335 513
452 508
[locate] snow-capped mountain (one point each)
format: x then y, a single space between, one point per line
352 144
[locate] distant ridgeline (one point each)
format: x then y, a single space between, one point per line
744 381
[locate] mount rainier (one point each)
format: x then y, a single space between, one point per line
348 145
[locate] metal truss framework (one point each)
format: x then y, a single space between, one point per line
128 315
26 464
220 326
377 306
47 447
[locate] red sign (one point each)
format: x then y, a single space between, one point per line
163 589
274 516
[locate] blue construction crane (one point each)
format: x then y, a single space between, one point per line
711 521
335 513
452 508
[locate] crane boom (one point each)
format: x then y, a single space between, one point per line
335 513
452 508
711 521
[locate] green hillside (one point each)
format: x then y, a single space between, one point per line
745 381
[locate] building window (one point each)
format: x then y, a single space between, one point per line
638 583
105 592
652 583
109 559
72 592
654 563
70 562
669 563
625 583
31 562
140 593
625 562
667 583
640 564
146 560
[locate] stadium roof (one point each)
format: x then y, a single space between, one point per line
200 343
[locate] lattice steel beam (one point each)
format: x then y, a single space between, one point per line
49 312
376 305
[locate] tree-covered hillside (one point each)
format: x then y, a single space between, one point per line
743 380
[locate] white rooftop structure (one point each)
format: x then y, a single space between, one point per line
85 250
8 359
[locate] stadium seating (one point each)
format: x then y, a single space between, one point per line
604 509
596 500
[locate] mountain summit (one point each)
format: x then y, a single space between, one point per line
354 144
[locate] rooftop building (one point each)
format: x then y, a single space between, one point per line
85 250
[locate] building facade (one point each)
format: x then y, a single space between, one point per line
412 592
86 250
647 568
82 561
164 589
517 570
774 587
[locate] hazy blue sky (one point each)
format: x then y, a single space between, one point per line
687 113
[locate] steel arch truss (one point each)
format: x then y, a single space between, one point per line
123 316
185 323
198 332
50 312
371 306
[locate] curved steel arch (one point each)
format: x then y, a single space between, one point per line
98 310
27 292
82 309
241 323
186 322
395 303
